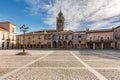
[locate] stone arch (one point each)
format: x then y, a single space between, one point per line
59 44
64 44
70 44
54 44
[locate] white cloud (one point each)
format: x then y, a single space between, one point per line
5 18
78 13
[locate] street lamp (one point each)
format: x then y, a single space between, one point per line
24 29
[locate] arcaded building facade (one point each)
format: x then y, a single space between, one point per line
99 39
80 39
63 39
58 38
116 32
7 35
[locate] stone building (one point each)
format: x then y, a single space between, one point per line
116 32
99 38
7 35
79 39
60 38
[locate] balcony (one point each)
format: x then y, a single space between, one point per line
102 40
117 37
8 40
13 39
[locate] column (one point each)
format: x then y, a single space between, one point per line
111 45
101 45
93 45
86 45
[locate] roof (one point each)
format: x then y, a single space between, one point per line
7 22
48 31
2 29
63 32
79 31
117 27
100 30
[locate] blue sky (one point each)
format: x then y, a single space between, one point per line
79 14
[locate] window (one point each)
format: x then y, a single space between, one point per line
2 44
101 38
3 38
60 37
59 21
12 29
66 37
70 37
90 39
79 36
79 41
39 37
45 37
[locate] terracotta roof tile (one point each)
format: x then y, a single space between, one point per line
2 29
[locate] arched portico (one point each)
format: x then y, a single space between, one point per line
70 44
59 44
64 44
54 44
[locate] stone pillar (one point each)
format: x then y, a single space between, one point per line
93 45
79 45
86 45
101 45
119 45
111 45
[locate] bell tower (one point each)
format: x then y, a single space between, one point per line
60 22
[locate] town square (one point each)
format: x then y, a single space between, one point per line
60 65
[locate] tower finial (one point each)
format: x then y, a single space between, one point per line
60 13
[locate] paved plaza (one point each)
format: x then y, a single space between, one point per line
60 65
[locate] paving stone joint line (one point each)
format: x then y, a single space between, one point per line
97 74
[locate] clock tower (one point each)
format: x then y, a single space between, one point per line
60 22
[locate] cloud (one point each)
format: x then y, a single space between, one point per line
5 18
79 14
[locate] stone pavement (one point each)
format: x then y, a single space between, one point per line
60 65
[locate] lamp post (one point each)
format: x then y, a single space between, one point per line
24 29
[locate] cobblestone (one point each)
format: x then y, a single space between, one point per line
60 53
57 64
112 74
5 70
21 58
94 58
6 63
63 58
48 74
104 63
